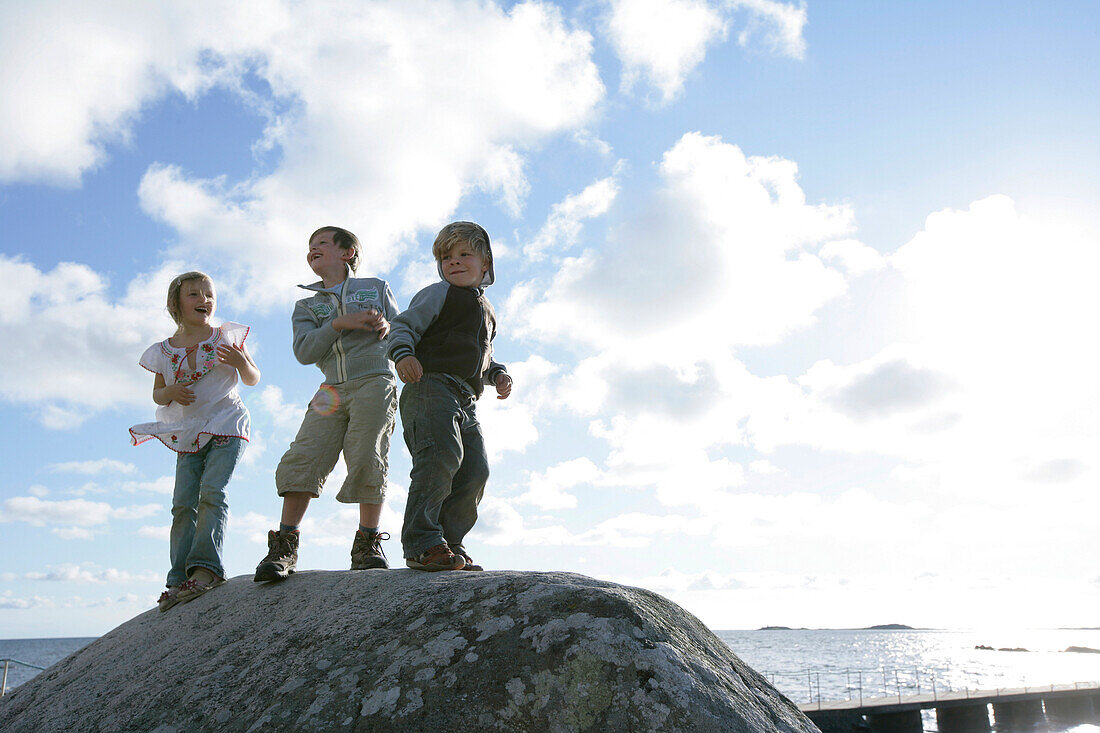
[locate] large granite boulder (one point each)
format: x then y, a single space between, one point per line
400 650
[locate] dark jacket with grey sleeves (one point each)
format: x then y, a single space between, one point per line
450 330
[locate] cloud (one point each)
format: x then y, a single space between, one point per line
337 527
781 25
763 467
729 235
43 312
103 465
563 225
7 600
978 303
90 573
75 512
510 425
73 533
663 41
163 485
84 74
287 416
548 490
1056 471
426 121
852 256
499 523
155 532
126 599
888 386
671 579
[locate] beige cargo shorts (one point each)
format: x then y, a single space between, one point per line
355 417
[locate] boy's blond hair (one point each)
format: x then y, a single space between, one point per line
462 232
175 287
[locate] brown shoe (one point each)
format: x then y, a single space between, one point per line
461 552
435 558
282 556
366 550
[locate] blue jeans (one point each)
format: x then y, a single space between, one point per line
449 465
199 508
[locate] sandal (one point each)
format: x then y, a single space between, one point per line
169 598
192 588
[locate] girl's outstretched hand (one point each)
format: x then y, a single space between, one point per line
504 386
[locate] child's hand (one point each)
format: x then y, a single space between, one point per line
179 392
378 322
233 356
410 369
239 358
368 320
382 326
504 386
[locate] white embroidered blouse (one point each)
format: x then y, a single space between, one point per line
217 410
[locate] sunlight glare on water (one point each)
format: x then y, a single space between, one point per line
836 664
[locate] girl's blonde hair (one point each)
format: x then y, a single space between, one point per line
174 291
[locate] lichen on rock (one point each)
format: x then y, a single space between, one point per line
400 650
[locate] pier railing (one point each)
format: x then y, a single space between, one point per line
7 662
877 684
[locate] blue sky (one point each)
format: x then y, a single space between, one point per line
798 298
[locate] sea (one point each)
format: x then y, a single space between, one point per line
808 665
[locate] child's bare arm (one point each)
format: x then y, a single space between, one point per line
166 394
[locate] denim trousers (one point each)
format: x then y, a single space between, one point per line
199 508
449 465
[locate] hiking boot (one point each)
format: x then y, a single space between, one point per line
435 558
461 552
366 550
282 556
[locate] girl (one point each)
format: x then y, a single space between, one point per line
202 418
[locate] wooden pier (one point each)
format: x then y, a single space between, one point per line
961 711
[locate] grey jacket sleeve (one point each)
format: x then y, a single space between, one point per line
312 340
389 304
407 328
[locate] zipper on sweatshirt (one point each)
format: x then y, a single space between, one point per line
481 326
338 345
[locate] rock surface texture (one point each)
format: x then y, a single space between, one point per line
379 650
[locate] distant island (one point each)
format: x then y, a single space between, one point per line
879 627
889 627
